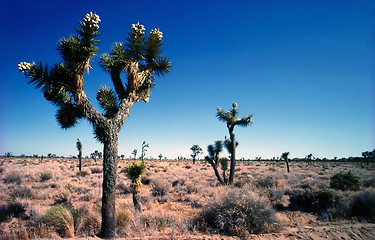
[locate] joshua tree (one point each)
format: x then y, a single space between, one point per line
232 120
63 84
285 157
79 148
160 156
196 151
214 157
95 155
135 153
309 157
134 172
144 150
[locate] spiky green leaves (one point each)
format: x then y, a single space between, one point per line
285 156
214 152
116 60
77 50
229 146
79 145
136 42
135 170
231 117
108 101
68 115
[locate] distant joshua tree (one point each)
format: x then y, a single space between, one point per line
134 172
232 120
144 150
196 151
213 158
94 155
135 153
79 148
309 158
160 156
286 159
139 59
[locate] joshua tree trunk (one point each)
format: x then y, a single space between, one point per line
109 186
136 187
217 174
232 156
80 160
225 176
287 164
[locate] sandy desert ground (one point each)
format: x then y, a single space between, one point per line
174 197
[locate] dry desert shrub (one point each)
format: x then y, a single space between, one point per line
160 187
15 208
312 200
123 218
96 170
13 178
266 182
45 176
239 213
346 181
83 173
63 219
157 220
89 221
21 192
362 205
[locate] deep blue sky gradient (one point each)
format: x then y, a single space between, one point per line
305 69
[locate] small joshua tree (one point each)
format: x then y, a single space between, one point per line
232 120
134 172
95 155
196 151
135 153
214 158
286 159
309 158
144 150
79 148
160 156
139 60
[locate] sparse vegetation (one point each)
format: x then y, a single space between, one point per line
175 201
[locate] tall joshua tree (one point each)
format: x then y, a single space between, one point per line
135 153
79 148
140 58
232 120
144 150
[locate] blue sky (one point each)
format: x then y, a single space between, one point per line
305 69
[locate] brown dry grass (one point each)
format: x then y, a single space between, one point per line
187 190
